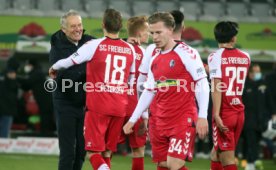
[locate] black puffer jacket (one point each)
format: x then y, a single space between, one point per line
61 48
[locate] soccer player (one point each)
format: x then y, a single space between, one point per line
137 28
110 62
176 77
143 69
228 69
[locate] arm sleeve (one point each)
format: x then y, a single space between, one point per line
202 96
139 86
150 83
214 63
145 115
143 104
144 67
192 62
84 53
132 68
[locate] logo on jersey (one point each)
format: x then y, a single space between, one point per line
172 63
75 54
213 72
200 71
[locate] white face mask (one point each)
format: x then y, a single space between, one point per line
27 69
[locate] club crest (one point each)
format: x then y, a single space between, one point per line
172 63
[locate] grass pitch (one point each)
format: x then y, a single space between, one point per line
41 162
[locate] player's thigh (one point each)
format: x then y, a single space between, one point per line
113 132
95 127
159 146
182 141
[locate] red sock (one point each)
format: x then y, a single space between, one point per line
107 161
96 161
230 167
183 168
138 163
161 168
216 165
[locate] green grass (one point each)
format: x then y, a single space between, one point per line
39 162
246 38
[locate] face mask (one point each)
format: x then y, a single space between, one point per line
257 76
27 69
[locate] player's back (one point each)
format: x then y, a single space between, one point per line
107 76
234 65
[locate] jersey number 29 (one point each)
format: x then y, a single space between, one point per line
238 75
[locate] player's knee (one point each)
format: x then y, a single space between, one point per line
90 154
227 157
214 155
175 163
138 152
162 164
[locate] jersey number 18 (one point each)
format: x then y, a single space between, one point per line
116 69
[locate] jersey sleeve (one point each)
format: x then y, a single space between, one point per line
214 63
192 61
86 52
144 67
150 83
132 68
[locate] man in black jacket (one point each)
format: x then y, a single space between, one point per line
68 102
258 106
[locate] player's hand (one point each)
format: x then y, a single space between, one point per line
143 127
220 124
133 40
128 127
202 128
52 73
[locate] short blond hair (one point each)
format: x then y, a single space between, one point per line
135 24
164 17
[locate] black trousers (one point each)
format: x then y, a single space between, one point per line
70 121
251 141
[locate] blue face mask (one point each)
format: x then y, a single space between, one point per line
257 76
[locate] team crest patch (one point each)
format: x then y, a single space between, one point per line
172 63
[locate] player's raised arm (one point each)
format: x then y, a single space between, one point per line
84 53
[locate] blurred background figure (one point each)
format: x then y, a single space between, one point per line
8 100
34 80
258 107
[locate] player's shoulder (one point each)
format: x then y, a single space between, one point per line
151 46
94 42
152 49
244 53
215 55
186 51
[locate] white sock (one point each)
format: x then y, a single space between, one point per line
104 167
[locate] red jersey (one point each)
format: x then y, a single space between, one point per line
231 66
110 62
173 75
132 95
